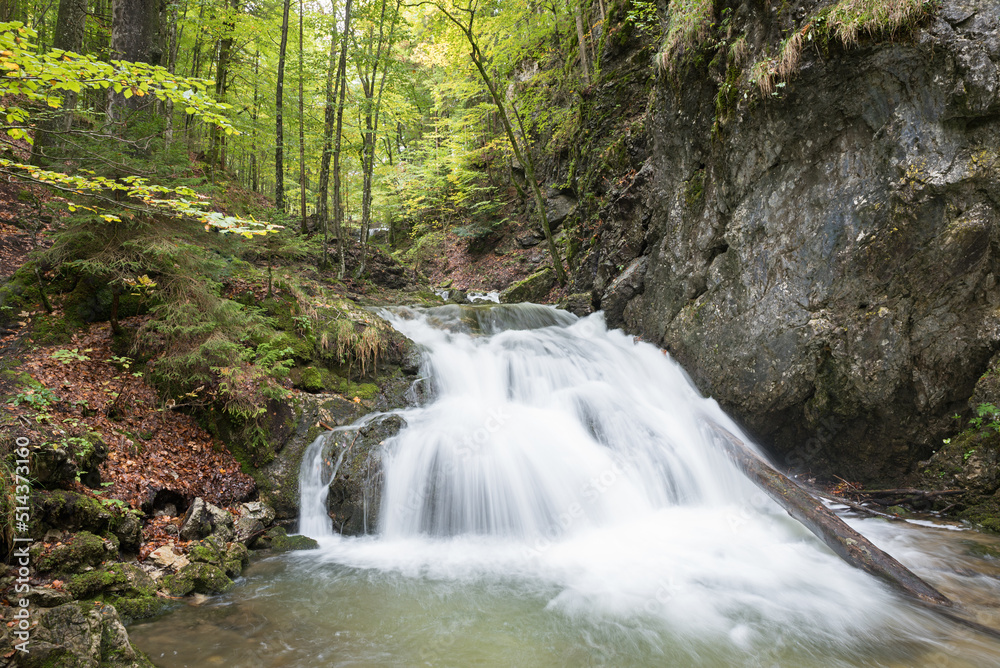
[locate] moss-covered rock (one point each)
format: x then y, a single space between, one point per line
534 288
118 579
278 540
232 558
77 635
74 555
198 578
65 510
141 607
308 379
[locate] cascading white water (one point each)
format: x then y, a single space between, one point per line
552 448
543 424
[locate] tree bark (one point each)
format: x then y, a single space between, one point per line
338 204
135 26
302 134
279 122
70 24
329 122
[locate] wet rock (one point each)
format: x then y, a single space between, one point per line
559 205
278 540
204 519
47 597
827 268
231 558
579 304
258 511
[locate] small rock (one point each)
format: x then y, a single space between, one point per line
165 557
46 597
258 511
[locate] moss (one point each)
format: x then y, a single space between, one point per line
82 550
694 189
92 583
278 540
141 607
364 391
199 578
303 349
309 379
231 558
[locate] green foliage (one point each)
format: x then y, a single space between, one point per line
67 356
688 24
643 14
987 417
849 19
37 398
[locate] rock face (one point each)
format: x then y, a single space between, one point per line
823 261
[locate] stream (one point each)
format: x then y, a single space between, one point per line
558 500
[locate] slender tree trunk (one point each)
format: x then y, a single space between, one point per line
254 170
279 126
338 204
217 138
70 24
329 121
582 42
522 156
372 112
168 105
302 133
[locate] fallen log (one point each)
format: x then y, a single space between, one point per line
847 543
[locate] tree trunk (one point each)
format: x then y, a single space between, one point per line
254 170
522 156
216 153
847 543
582 42
279 125
338 204
70 24
372 112
329 120
135 26
302 134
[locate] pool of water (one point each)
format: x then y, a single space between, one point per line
628 599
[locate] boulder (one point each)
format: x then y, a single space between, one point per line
203 519
534 288
86 635
199 578
81 551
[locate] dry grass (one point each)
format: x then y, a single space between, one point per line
851 18
689 22
791 53
739 51
762 74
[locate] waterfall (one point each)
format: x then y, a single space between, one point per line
540 424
